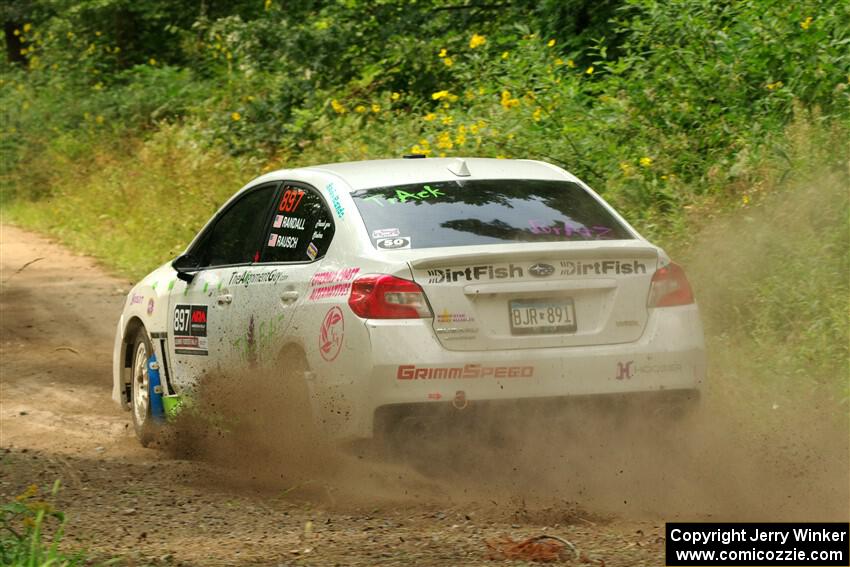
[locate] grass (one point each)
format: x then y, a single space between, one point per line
24 542
768 253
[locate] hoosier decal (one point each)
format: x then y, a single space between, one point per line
190 329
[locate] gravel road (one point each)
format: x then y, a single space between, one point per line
150 506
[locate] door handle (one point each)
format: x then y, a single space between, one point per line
225 299
288 296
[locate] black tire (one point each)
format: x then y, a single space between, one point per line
140 404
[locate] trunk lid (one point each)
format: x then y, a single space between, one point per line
537 295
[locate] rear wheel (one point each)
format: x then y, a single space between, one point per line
140 390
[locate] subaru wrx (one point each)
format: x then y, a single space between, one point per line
396 287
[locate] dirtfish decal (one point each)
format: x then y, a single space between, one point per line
602 268
474 273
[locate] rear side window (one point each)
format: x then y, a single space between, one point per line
301 228
496 211
234 239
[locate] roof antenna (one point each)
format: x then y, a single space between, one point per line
459 168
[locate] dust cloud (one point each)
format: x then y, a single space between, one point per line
757 446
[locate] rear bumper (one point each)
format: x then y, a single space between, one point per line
422 418
409 368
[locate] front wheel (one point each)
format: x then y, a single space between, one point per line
141 395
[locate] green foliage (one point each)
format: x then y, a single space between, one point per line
142 117
23 522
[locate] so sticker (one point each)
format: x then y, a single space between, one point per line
331 334
393 243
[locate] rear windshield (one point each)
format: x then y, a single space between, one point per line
495 211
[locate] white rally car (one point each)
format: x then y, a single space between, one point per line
395 287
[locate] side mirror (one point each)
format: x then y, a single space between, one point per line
186 266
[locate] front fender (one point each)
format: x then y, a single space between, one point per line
146 307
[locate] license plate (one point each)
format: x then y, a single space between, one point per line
542 316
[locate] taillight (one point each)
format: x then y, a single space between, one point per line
388 297
670 287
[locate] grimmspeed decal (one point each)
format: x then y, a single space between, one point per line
602 268
190 329
467 371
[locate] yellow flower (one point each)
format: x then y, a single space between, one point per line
395 96
360 109
338 108
443 53
538 114
505 54
99 119
507 101
69 35
421 148
460 139
235 116
627 168
376 108
444 141
559 61
152 61
31 491
447 120
429 117
477 41
97 33
98 87
773 86
501 156
645 161
18 32
551 43
804 24
440 95
745 199
267 5
448 62
28 27
589 70
571 64
24 51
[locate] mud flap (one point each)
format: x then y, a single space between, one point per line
155 386
173 405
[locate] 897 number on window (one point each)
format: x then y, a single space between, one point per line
290 200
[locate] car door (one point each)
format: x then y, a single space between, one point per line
267 294
201 312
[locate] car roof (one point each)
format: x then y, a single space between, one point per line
381 173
